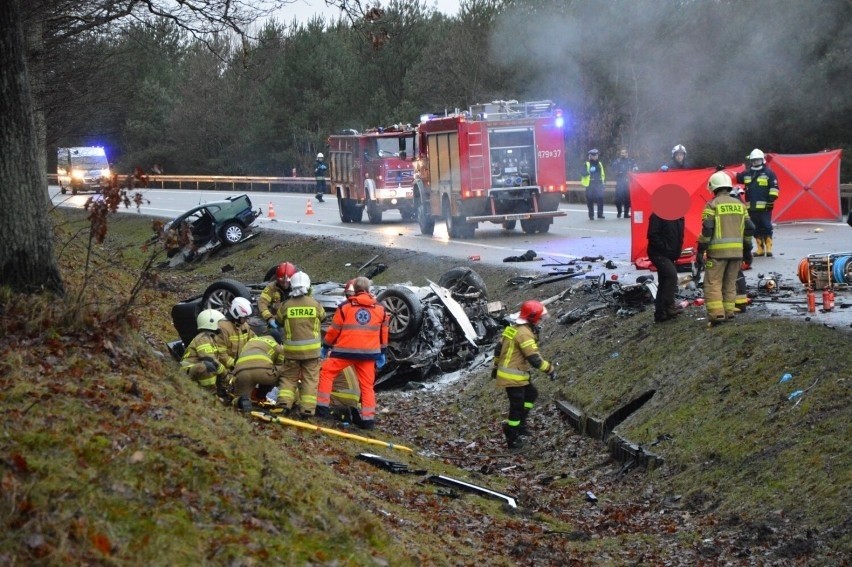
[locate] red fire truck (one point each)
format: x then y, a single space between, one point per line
373 171
500 162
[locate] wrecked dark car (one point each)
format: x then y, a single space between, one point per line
207 227
433 328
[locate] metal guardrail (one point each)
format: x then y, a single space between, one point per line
575 193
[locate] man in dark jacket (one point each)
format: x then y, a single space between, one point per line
621 167
665 241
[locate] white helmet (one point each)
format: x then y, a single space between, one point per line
300 283
719 180
209 320
240 307
678 148
756 155
320 156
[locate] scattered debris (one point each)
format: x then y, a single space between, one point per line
590 497
527 256
468 487
393 466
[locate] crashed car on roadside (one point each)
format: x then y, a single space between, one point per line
209 226
433 328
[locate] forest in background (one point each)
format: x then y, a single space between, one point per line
720 77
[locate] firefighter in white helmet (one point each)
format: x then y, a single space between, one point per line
726 240
201 359
320 170
761 191
234 333
300 318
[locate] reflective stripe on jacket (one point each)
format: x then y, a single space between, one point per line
724 221
270 300
231 340
517 346
761 188
260 352
203 347
359 329
586 178
300 318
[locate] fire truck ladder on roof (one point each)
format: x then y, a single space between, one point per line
476 159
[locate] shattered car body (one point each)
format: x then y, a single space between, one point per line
207 227
432 329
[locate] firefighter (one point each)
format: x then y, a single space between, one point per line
665 242
300 318
273 295
234 333
621 167
320 169
593 179
260 364
678 160
726 239
358 336
201 359
516 352
761 191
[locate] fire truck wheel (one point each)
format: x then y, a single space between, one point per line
532 226
343 209
405 312
374 213
456 226
356 213
64 190
424 219
510 225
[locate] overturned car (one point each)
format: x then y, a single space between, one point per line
433 328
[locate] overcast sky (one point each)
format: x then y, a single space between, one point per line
303 10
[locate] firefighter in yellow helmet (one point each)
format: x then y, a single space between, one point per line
200 361
515 355
726 240
234 333
300 317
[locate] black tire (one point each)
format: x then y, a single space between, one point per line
425 219
356 212
463 281
531 226
408 215
343 209
231 233
63 190
219 294
510 225
374 213
544 226
404 310
74 191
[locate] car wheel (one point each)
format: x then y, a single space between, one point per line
220 294
463 281
404 311
232 233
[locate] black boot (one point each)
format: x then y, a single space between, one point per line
513 438
322 412
244 404
522 428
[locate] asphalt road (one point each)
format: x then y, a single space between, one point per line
570 237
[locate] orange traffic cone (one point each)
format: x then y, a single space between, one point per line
310 209
271 215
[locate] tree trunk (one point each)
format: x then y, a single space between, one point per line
27 263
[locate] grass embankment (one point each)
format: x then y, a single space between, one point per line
111 455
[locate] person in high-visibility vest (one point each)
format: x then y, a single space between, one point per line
358 337
300 318
259 364
593 179
515 355
726 240
273 295
201 359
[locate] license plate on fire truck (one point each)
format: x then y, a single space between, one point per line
519 216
